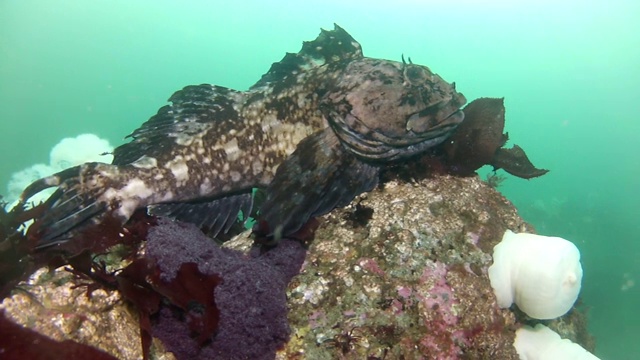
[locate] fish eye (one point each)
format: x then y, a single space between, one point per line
415 75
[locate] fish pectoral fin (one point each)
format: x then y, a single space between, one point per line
215 216
316 178
515 162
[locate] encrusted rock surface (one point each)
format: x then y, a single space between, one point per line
408 283
55 303
398 274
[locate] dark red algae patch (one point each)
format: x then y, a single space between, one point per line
190 295
19 343
250 298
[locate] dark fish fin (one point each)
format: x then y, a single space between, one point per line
216 216
193 110
318 177
515 162
330 46
68 209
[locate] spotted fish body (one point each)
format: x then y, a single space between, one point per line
313 132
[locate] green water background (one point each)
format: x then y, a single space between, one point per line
569 71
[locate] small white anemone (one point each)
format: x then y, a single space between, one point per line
541 274
542 343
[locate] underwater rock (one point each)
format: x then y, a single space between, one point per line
400 272
17 342
56 304
412 281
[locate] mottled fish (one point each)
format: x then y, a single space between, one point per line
313 132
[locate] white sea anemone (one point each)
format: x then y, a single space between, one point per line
541 274
68 152
542 343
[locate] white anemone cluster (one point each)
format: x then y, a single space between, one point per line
540 274
68 152
542 343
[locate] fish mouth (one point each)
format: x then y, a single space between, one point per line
376 146
458 116
434 121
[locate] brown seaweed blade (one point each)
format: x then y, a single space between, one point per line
515 162
479 141
476 140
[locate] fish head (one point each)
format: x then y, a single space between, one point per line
385 110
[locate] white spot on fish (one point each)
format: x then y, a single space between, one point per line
257 167
109 194
188 131
179 169
130 196
166 197
205 187
269 123
127 207
52 181
232 150
145 162
235 176
136 188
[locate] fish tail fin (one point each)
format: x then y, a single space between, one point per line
74 204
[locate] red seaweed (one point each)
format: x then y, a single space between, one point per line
193 291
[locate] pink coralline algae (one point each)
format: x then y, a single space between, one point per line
317 319
372 266
473 238
439 304
404 292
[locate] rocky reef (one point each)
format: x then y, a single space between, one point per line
400 273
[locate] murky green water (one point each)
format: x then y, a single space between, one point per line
569 71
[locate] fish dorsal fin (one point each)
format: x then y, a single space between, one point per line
193 110
329 47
